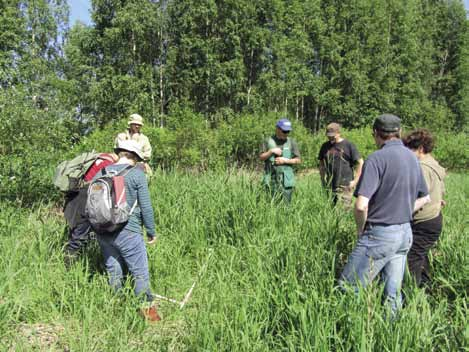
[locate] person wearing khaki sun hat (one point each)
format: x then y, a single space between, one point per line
340 165
135 124
135 119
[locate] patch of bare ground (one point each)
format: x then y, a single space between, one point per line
173 332
39 337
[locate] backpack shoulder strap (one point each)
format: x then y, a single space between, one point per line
125 170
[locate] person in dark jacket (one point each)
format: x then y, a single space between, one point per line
79 228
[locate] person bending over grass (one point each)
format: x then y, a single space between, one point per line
127 247
428 221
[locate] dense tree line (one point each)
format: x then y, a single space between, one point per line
315 60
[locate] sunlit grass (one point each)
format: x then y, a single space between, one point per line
269 285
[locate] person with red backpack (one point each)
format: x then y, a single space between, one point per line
79 229
124 246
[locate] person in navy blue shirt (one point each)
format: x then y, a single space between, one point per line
390 189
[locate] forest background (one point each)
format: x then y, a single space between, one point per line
211 77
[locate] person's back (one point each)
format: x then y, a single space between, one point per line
136 189
127 247
392 184
391 187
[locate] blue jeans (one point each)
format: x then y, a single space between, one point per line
126 249
380 249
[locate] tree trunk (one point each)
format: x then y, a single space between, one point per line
161 97
250 76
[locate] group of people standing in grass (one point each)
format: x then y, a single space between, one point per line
399 196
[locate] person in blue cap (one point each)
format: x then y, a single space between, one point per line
279 153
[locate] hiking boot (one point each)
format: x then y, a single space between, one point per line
150 314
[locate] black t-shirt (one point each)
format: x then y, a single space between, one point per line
339 160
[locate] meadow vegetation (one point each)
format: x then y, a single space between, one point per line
270 282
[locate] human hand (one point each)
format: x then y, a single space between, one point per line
276 151
281 160
352 184
151 240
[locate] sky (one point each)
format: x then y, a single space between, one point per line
80 10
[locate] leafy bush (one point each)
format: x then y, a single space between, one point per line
452 150
34 141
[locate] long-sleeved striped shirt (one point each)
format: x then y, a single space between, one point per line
136 187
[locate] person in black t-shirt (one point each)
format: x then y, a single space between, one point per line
337 160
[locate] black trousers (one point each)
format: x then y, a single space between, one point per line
425 235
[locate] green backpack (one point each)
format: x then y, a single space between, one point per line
69 173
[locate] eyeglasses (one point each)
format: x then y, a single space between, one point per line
286 132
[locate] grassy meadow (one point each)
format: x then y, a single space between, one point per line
266 277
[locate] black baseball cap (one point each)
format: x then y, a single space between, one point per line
387 123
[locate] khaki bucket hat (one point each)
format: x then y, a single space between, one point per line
135 119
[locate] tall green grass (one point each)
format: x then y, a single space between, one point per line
270 283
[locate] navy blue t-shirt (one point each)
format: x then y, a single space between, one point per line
392 180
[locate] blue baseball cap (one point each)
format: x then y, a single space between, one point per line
284 125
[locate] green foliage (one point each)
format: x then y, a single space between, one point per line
32 141
270 283
315 60
452 150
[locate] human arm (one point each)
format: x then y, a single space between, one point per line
420 202
119 138
295 156
146 149
423 196
285 161
322 172
361 213
267 154
144 202
358 172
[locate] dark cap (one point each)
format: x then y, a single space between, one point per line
387 123
332 129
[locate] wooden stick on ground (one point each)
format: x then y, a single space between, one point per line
201 272
188 295
157 296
